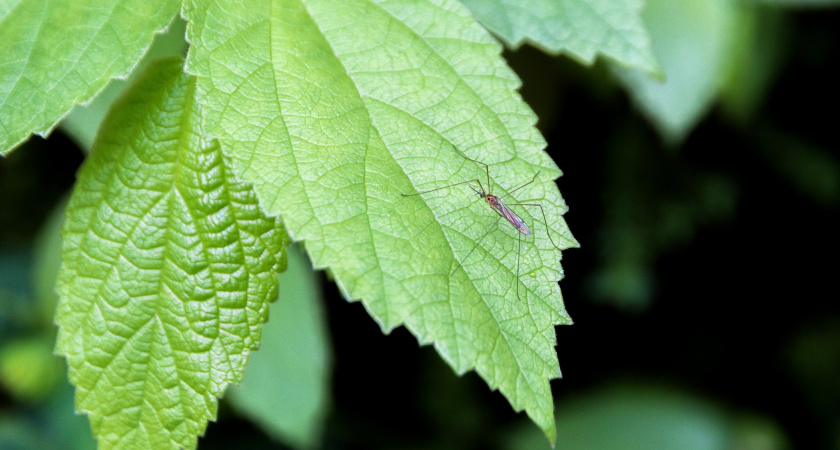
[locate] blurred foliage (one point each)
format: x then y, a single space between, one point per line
703 262
812 170
286 385
758 47
632 416
813 359
28 369
652 203
692 40
37 408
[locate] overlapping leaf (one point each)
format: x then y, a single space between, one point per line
334 109
168 268
693 41
583 29
55 54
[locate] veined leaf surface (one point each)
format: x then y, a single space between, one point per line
168 268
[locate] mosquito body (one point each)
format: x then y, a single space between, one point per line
501 209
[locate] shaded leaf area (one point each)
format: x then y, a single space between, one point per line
633 415
334 110
583 29
287 386
57 54
168 268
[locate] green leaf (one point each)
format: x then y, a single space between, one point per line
692 39
583 29
286 386
334 109
57 54
167 270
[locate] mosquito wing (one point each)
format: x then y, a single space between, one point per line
500 207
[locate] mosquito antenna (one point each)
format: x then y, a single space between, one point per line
444 187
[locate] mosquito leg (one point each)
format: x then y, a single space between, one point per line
486 167
518 255
545 220
496 223
520 186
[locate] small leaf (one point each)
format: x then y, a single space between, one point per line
335 109
581 28
168 268
286 387
57 54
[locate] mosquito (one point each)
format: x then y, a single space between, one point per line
501 209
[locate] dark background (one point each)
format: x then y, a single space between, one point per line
707 271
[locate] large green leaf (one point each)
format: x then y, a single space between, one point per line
334 109
583 29
55 54
167 270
